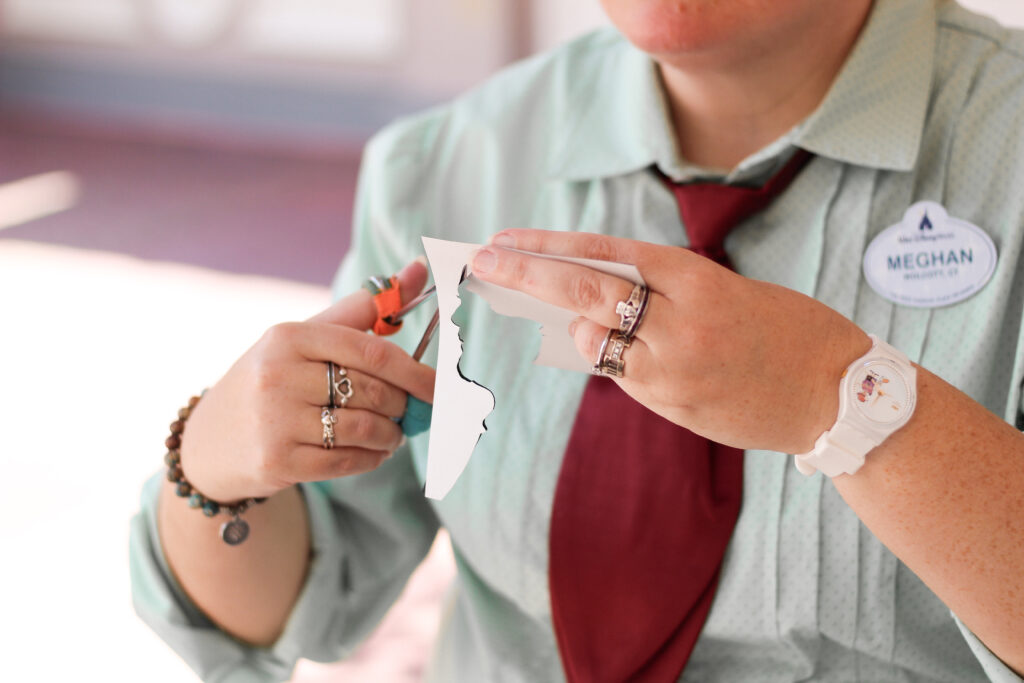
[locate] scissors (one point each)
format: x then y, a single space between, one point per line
428 333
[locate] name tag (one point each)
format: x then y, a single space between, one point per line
929 259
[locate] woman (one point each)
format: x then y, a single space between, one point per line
847 115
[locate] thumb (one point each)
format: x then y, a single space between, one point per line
358 310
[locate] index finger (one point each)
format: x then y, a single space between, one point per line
358 310
577 244
367 353
585 291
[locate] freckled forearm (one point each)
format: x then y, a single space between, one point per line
946 495
250 589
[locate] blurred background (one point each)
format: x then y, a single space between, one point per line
176 176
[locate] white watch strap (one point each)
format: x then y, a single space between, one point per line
853 438
830 458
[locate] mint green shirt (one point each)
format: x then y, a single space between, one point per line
930 105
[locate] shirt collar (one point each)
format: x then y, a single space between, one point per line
873 115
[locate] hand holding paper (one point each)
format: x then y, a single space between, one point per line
720 354
460 406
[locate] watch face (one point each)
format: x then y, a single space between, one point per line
879 391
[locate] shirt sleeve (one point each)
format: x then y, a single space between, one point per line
364 545
368 532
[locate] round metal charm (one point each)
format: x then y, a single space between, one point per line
235 531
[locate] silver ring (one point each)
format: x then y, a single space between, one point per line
609 357
330 385
341 386
631 311
328 420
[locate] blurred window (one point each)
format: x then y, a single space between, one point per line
341 30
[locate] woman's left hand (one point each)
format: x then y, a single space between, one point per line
745 363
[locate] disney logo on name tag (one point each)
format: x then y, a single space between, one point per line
929 259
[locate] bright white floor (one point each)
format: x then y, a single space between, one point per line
97 352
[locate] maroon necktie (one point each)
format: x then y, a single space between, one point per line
643 508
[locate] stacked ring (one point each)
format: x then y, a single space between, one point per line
339 393
331 389
341 386
328 420
631 311
609 357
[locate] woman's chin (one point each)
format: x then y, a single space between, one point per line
666 27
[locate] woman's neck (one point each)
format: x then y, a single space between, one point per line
728 104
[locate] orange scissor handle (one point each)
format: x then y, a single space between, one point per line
388 300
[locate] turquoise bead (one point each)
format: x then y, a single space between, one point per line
210 508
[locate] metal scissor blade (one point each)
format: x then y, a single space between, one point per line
402 312
428 333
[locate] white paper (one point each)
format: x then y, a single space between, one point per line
460 406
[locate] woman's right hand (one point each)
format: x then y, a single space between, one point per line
258 430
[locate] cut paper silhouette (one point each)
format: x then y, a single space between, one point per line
460 405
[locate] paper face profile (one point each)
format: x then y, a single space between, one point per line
461 405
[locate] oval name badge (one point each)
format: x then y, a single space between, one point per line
929 259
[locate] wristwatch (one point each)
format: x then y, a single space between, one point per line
877 395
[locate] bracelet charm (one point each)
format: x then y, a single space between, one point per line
235 531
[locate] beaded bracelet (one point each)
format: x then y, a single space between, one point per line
232 532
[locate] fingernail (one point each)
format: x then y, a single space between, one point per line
484 261
503 239
572 328
422 258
